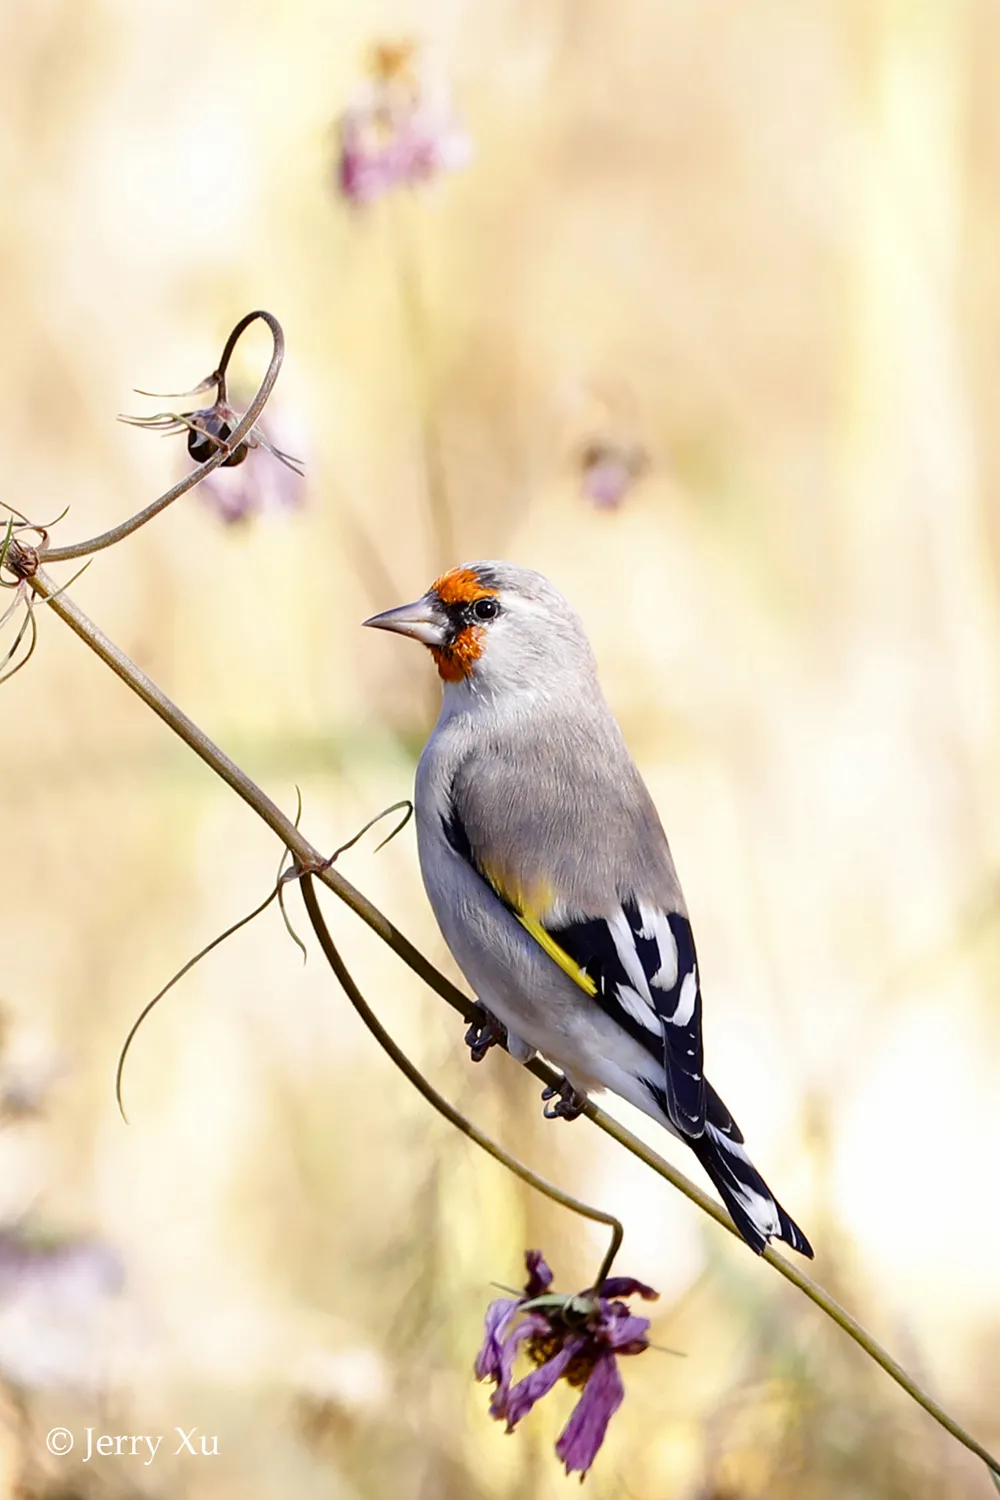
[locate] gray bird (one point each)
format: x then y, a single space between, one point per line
550 874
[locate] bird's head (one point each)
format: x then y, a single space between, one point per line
494 625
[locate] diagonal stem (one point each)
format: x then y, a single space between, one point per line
309 860
438 1101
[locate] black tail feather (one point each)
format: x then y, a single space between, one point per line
752 1206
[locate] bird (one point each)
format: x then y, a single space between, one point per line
549 873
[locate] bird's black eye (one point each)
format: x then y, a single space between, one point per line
485 609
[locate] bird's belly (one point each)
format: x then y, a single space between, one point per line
516 980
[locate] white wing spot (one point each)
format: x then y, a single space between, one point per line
762 1210
689 994
632 1002
655 925
630 961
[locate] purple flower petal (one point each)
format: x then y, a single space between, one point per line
398 135
262 484
367 167
533 1324
539 1275
488 1359
609 470
538 1384
606 483
581 1438
627 1286
621 1330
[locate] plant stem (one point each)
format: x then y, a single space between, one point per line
438 1101
310 861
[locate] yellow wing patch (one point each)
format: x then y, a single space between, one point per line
525 907
559 955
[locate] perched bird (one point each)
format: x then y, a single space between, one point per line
550 875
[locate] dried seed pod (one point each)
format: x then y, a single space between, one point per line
236 457
204 439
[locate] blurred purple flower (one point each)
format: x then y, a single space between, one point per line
56 1297
269 483
400 131
608 471
575 1338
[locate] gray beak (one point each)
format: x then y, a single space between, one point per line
423 620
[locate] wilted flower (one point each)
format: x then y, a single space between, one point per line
399 131
263 484
576 1338
608 470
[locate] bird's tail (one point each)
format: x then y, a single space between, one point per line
754 1209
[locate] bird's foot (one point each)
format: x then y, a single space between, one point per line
569 1105
484 1032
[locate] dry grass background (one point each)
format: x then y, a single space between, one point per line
762 242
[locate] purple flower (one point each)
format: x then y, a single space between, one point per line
575 1338
608 471
400 131
270 482
57 1306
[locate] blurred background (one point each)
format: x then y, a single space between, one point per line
697 310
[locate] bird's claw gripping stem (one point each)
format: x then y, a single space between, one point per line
569 1105
484 1032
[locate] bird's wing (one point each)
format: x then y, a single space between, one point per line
638 963
643 962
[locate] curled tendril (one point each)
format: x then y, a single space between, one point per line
386 811
29 624
283 877
19 561
186 969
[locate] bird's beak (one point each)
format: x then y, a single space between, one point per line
423 620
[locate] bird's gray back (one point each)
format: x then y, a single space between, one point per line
551 803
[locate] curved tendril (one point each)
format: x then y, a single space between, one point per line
296 465
40 526
290 874
393 807
69 582
169 986
295 872
196 390
29 623
5 544
12 606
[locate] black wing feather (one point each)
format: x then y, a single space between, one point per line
676 1044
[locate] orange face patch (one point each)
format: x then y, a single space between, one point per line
457 660
460 587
